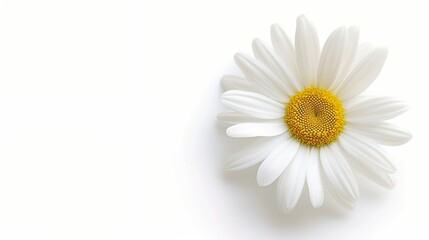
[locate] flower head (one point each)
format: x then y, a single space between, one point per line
303 107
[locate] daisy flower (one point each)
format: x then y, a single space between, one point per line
302 105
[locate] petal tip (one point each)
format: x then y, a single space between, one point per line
354 196
354 28
256 41
262 182
302 18
390 186
406 107
318 203
276 30
392 183
223 96
223 117
229 167
408 136
224 82
238 57
231 133
275 27
285 210
383 51
256 44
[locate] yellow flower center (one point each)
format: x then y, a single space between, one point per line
315 116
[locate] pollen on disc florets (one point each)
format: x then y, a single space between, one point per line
315 116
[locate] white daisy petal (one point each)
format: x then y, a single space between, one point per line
307 50
382 133
338 197
244 130
292 180
365 166
253 104
235 117
284 48
374 174
355 101
314 179
375 109
230 82
266 57
253 153
273 63
362 51
338 172
232 118
364 73
366 151
261 77
383 179
276 162
331 58
349 56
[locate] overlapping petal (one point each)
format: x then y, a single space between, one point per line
307 50
253 154
253 104
363 74
292 180
277 162
371 110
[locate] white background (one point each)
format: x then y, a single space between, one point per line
109 131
